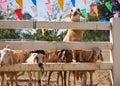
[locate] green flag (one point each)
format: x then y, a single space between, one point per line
83 11
108 5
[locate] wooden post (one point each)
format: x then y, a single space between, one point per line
116 51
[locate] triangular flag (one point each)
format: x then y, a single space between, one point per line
83 11
85 1
20 3
108 5
4 6
95 9
61 3
34 9
116 15
73 3
18 12
103 20
48 0
49 6
119 1
34 2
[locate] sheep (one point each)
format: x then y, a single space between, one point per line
10 57
53 56
36 56
90 55
57 56
74 34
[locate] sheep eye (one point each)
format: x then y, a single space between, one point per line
78 10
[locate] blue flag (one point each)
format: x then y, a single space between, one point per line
34 2
103 20
73 3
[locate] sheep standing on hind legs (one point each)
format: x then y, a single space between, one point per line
74 34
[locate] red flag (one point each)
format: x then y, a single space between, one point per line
18 12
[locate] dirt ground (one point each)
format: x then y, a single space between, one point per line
100 77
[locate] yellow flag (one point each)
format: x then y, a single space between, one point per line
20 3
85 2
61 3
95 9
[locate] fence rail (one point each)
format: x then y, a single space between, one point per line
44 45
58 67
54 25
113 46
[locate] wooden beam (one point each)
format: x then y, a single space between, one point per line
14 24
23 45
74 25
58 67
116 50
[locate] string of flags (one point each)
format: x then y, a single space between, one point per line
18 12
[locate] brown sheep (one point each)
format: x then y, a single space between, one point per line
10 57
58 56
74 34
90 55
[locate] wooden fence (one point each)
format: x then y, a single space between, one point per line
113 46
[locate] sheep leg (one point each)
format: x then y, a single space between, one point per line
16 80
61 77
74 78
65 75
39 80
3 80
11 80
30 78
69 74
91 82
59 73
84 79
49 77
58 78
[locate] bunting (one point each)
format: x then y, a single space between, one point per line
49 6
18 12
108 5
116 15
34 9
34 2
48 0
103 20
61 3
95 9
73 3
20 3
83 11
119 1
85 1
4 6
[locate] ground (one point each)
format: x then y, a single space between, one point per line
100 77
